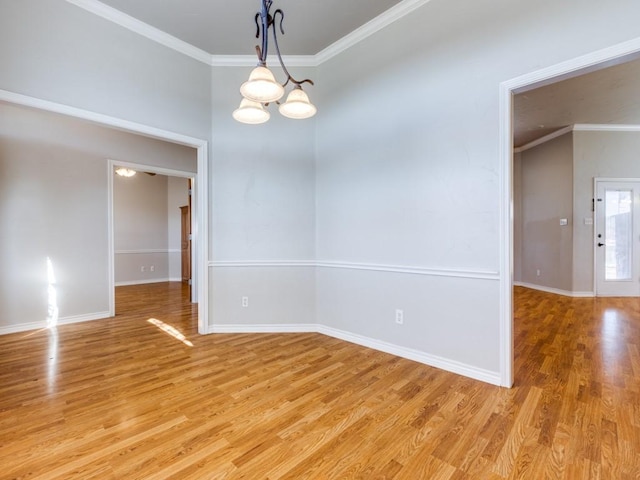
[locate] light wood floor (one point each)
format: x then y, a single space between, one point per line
123 399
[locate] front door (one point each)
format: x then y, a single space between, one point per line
617 229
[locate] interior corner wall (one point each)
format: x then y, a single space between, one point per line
140 229
408 173
604 154
262 228
517 217
547 198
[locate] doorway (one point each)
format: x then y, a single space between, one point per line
573 68
617 244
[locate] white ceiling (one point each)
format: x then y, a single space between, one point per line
227 27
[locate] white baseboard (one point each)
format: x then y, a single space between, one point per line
408 353
25 327
145 281
272 328
557 291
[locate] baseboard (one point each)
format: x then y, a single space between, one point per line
556 291
458 368
145 281
25 327
259 328
408 353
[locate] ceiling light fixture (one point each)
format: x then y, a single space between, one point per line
125 172
262 88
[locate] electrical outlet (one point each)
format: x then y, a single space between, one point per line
152 268
538 273
142 269
245 302
399 317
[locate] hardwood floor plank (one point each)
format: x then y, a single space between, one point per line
128 398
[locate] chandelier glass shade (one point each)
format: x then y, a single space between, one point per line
262 88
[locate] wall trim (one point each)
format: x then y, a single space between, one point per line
403 352
603 127
386 18
142 28
412 270
145 281
264 328
25 327
556 291
152 33
147 251
544 139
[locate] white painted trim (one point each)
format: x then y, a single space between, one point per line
142 28
152 33
147 251
25 327
544 139
105 120
264 328
603 127
408 353
266 263
415 355
473 274
200 219
272 60
590 62
556 291
396 12
145 281
438 272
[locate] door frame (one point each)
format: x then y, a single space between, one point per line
200 184
111 165
597 180
590 62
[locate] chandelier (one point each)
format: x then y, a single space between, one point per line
262 88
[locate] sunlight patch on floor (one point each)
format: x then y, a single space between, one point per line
170 330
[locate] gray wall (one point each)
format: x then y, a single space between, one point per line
407 169
54 203
146 227
596 154
546 196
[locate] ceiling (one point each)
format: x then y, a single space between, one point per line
227 27
607 96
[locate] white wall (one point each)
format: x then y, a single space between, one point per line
596 154
407 170
141 228
546 195
263 213
54 203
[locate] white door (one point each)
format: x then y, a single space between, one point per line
617 229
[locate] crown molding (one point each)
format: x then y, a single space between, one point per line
579 127
251 61
152 33
144 29
396 12
594 127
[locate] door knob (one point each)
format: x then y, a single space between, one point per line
600 244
